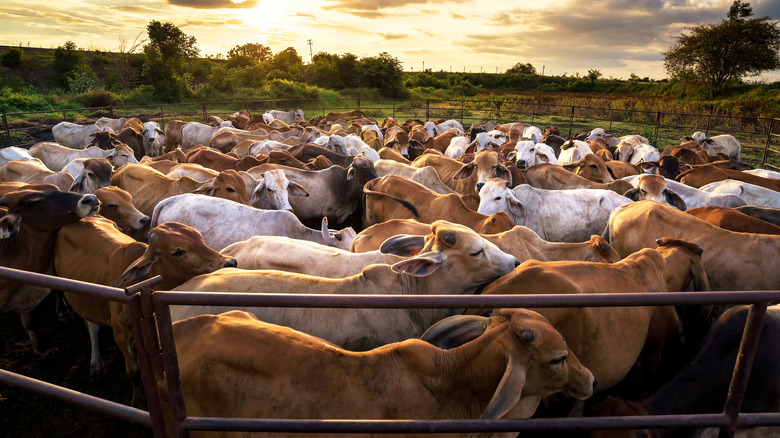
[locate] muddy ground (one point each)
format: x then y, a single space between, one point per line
30 415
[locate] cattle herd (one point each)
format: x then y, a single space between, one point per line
346 204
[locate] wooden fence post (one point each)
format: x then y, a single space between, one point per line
461 111
763 160
611 117
427 109
571 121
162 117
8 131
204 112
657 126
707 129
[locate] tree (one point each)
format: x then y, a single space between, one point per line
594 74
328 70
382 72
254 51
166 52
713 57
286 64
522 69
66 59
11 57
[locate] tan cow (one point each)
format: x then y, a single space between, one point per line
96 251
552 177
653 188
734 261
117 205
466 179
591 167
609 340
503 373
453 260
34 172
396 197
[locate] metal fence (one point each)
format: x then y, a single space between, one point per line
758 135
152 330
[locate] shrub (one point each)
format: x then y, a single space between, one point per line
97 98
81 79
284 89
11 58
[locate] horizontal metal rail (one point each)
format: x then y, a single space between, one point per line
64 284
463 301
87 401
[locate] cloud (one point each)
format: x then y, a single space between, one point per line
457 16
350 6
215 4
393 36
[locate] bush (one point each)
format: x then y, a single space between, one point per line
284 89
82 79
11 58
97 98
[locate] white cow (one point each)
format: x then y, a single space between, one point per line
533 134
573 150
195 133
489 139
720 144
266 146
335 143
610 139
555 215
426 176
272 190
626 145
73 135
302 256
528 154
457 147
356 146
154 139
115 125
222 222
694 197
288 117
452 260
57 157
15 153
644 153
764 173
751 193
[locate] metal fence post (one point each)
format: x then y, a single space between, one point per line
427 109
498 112
763 160
8 131
393 108
707 129
657 126
162 116
461 111
111 111
611 117
204 112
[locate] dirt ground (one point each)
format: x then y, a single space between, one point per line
29 415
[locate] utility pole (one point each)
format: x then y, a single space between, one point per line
311 56
423 66
543 70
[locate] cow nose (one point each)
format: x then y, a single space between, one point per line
517 263
480 185
595 382
91 200
521 163
145 221
232 263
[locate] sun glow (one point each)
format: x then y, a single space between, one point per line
267 13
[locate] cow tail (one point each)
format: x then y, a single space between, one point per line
406 204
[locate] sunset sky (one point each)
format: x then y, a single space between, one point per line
619 37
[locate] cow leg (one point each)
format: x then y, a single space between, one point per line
123 336
95 362
31 325
64 313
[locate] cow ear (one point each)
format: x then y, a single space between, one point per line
207 188
503 173
404 245
512 155
515 205
414 144
10 225
350 173
296 189
507 394
569 167
632 194
259 191
648 166
674 200
79 184
543 158
421 265
136 271
455 331
464 172
471 148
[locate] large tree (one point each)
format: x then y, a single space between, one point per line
166 52
716 56
383 72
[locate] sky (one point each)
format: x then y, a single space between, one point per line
617 37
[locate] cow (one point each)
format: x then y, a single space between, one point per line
104 140
307 152
425 176
627 144
546 211
694 197
396 197
653 188
34 172
73 135
466 179
551 177
600 133
96 251
15 153
725 144
338 190
56 157
592 331
702 386
397 138
272 190
731 219
452 259
194 133
734 261
115 125
573 150
223 222
751 193
591 167
27 235
154 139
288 117
148 186
304 257
173 134
529 154
517 360
701 176
218 161
520 242
768 214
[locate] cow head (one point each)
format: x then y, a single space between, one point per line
117 205
95 174
104 140
591 167
653 188
177 253
272 191
228 184
44 210
121 155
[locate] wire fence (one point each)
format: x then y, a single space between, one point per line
759 136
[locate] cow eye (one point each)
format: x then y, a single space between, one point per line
498 198
178 253
558 361
477 253
112 206
593 166
230 190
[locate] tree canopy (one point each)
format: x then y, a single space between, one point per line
523 69
166 52
716 56
255 51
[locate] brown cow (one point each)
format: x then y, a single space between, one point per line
468 178
396 197
218 161
551 177
117 205
96 251
731 219
591 167
28 231
701 176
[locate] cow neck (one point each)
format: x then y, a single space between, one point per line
31 250
473 371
